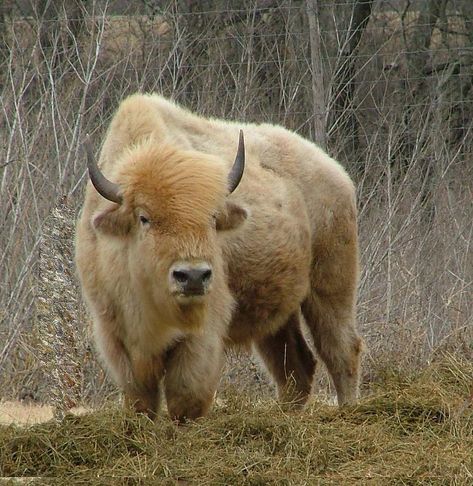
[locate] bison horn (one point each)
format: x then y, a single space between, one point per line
238 167
105 188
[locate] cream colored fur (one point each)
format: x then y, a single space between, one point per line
297 250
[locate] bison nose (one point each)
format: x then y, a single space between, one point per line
191 279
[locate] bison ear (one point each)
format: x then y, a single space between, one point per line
112 220
231 217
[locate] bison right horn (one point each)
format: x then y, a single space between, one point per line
238 167
105 188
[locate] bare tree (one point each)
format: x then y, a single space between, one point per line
268 61
60 24
344 126
419 89
316 61
5 8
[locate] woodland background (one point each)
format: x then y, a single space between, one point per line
385 86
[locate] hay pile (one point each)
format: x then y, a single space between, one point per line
408 427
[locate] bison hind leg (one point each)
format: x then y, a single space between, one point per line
290 361
337 342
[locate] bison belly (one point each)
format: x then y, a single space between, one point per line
269 276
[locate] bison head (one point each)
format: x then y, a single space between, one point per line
165 212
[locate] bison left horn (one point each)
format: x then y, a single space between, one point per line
238 167
105 188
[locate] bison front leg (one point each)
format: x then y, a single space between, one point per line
143 393
137 376
290 361
193 370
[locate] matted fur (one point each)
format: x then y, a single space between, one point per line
282 248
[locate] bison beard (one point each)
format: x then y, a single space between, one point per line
183 249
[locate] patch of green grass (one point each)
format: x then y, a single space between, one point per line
408 429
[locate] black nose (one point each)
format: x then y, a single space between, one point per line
193 281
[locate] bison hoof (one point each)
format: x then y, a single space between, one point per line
190 413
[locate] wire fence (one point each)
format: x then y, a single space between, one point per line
386 87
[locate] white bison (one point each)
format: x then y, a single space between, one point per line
187 245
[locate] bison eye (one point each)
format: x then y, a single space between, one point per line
144 220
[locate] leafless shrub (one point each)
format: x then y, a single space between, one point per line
403 130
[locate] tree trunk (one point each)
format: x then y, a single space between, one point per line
4 8
345 126
419 109
319 106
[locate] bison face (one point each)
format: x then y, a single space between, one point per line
186 262
165 213
183 262
176 262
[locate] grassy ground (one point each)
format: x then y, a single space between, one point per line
407 429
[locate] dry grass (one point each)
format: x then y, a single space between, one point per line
409 428
412 168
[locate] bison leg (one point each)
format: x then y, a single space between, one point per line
332 324
143 392
290 361
138 377
329 309
193 370
143 400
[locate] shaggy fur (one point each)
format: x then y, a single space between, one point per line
283 246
